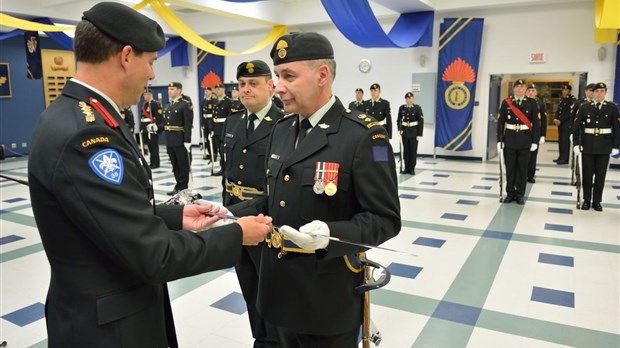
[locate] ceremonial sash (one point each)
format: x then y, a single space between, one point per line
146 113
519 114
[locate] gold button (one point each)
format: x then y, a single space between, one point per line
287 178
282 204
239 182
241 166
245 151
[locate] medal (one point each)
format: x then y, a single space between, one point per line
318 187
331 188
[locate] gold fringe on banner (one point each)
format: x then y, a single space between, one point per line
23 24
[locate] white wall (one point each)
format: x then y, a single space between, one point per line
564 32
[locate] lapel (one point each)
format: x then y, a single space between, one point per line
317 138
264 127
76 91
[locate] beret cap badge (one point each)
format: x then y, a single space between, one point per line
250 67
281 47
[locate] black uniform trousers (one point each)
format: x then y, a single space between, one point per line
531 168
179 157
153 144
564 141
290 339
410 149
594 166
218 129
517 161
206 129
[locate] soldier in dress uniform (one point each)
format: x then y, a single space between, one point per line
153 113
379 108
563 117
208 102
235 102
246 134
532 93
178 118
127 115
596 134
276 99
221 110
110 249
589 94
410 124
358 103
518 134
330 171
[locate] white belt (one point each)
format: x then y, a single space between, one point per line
383 122
208 115
410 124
219 120
517 127
597 131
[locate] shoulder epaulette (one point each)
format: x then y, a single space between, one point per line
286 117
361 118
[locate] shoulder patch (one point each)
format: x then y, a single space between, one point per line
107 164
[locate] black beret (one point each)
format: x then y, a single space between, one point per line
175 84
147 90
408 95
359 90
294 47
375 86
208 89
591 86
218 85
532 86
126 25
253 68
235 88
569 87
600 85
519 82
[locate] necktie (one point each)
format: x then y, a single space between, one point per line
519 102
250 128
598 106
303 129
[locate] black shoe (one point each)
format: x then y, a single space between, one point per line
205 157
509 199
154 166
403 172
585 206
172 193
555 160
561 162
531 180
520 201
597 207
218 173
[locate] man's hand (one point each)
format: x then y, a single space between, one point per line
197 218
500 146
615 152
577 149
556 122
542 140
533 147
308 235
254 228
418 138
188 146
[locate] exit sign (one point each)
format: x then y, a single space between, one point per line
538 57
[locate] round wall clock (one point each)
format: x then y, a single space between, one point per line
364 65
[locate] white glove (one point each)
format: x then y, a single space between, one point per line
500 146
151 128
188 146
615 152
533 147
570 138
418 138
145 120
577 150
542 140
308 235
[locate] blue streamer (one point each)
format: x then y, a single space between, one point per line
357 22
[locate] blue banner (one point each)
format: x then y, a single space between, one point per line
617 78
34 70
459 54
210 67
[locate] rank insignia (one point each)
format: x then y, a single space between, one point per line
107 164
323 125
268 119
88 112
361 116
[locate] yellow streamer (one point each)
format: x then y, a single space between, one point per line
190 36
23 24
604 36
607 14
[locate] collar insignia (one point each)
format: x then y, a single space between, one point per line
88 112
324 125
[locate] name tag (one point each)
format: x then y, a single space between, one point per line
274 156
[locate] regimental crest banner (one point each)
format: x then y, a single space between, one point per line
210 67
460 40
5 81
34 71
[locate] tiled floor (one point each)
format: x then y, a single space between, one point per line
486 274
